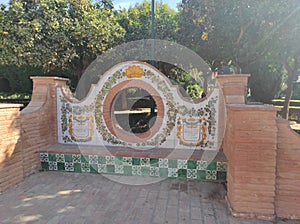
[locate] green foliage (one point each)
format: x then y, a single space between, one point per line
251 34
57 35
15 96
267 79
137 22
19 77
64 36
195 91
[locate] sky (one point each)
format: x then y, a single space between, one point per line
125 3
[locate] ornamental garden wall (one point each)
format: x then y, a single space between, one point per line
262 153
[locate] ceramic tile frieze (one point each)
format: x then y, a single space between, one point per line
132 166
185 124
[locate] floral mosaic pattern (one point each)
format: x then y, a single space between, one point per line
161 86
176 115
202 119
74 113
130 166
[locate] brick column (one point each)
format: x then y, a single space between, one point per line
39 120
288 172
250 147
11 170
234 88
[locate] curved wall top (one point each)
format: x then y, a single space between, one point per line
180 122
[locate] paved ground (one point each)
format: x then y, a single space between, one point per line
54 197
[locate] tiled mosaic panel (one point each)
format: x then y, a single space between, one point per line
128 166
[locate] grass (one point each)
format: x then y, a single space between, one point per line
14 96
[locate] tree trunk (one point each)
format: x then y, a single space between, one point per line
289 91
288 94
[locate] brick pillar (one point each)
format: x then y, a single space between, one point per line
250 147
234 88
39 120
288 172
11 170
43 103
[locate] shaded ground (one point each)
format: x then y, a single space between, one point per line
56 197
295 126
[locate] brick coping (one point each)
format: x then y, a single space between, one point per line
184 154
10 105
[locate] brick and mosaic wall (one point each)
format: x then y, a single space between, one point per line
180 122
131 166
262 170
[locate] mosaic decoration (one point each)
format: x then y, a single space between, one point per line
192 131
130 166
77 122
161 86
186 124
134 72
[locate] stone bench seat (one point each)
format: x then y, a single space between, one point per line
158 162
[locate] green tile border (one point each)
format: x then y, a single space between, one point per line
133 166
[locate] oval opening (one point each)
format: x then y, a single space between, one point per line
134 110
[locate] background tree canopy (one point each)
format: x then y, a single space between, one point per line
256 37
57 35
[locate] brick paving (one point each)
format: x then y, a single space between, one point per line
56 197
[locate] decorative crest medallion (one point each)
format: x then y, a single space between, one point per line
134 72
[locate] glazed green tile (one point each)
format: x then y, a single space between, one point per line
128 170
45 165
192 164
77 167
68 158
153 162
191 174
76 158
52 157
163 172
118 160
136 170
85 159
221 176
201 174
145 162
154 171
145 171
182 173
93 159
94 168
172 164
119 169
110 168
102 168
211 175
172 172
212 166
60 166
101 159
85 168
221 166
136 161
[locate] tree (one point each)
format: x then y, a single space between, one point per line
137 22
59 34
238 31
283 42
